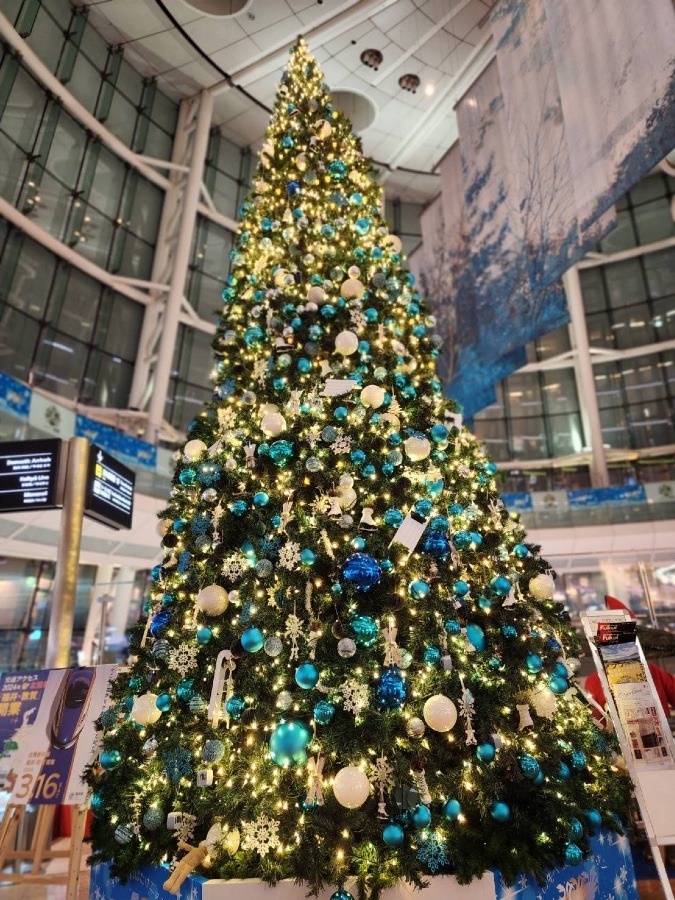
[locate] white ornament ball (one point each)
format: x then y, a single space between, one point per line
145 711
231 841
394 242
193 450
311 307
323 130
417 448
353 271
316 294
280 277
301 161
284 699
346 343
542 586
352 288
415 728
440 713
351 787
347 498
230 464
273 424
372 395
213 600
390 419
345 482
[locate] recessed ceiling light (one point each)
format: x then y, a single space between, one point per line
371 58
409 82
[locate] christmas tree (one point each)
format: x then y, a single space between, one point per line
352 663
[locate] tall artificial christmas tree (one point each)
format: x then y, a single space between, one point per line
352 663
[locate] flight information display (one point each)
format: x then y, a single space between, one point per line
110 490
31 475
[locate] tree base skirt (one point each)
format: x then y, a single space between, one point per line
608 872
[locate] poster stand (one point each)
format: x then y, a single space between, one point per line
653 782
41 848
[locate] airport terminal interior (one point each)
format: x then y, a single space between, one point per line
144 198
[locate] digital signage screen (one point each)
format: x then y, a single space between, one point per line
31 475
110 490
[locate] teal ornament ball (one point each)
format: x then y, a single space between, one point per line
365 629
306 675
461 540
393 835
560 669
421 816
307 557
594 819
534 663
573 854
418 589
577 759
188 477
238 508
204 635
439 434
392 689
341 894
261 498
529 766
280 452
539 779
563 771
153 818
558 685
460 588
475 636
452 810
484 603
500 585
521 551
437 545
163 702
362 571
288 743
574 829
252 640
358 543
432 656
97 804
185 689
509 632
123 834
110 759
485 752
393 517
500 811
452 626
213 750
324 712
235 706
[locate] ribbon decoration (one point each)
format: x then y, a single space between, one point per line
392 653
225 666
315 792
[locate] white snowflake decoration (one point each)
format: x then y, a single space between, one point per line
289 555
313 436
321 505
261 835
183 658
357 318
342 444
186 829
234 567
356 696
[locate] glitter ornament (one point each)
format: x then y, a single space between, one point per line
351 787
392 689
346 343
440 713
542 586
573 854
213 600
273 646
362 571
346 648
110 759
324 712
417 448
365 629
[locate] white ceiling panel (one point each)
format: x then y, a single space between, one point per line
212 35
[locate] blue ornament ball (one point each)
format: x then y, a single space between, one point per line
577 759
452 809
475 636
235 706
391 689
509 632
558 685
392 835
529 766
485 752
324 712
534 663
306 675
288 743
500 811
418 589
153 818
573 854
437 545
365 630
97 804
110 759
213 750
563 771
501 585
594 819
452 626
341 894
432 656
163 702
204 635
575 829
252 640
362 571
421 816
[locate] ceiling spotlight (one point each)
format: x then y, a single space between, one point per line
372 58
429 89
409 83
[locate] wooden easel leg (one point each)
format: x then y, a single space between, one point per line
42 838
8 829
78 827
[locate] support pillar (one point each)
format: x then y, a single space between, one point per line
583 373
102 587
119 610
160 327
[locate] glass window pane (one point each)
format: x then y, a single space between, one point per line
85 82
523 394
184 403
560 391
18 337
118 327
528 438
145 200
229 158
663 319
130 83
493 433
196 360
649 188
654 221
213 250
593 289
46 38
554 343
23 112
46 200
32 277
566 435
632 326
107 381
607 385
651 423
164 112
225 195
132 256
107 173
66 151
95 48
614 427
12 168
625 283
158 143
660 272
91 233
59 363
622 237
642 379
204 295
121 119
74 302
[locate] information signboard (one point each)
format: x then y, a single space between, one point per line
31 475
110 490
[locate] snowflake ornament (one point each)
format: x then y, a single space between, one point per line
357 318
234 567
341 444
433 852
261 835
186 829
314 435
183 658
356 696
289 555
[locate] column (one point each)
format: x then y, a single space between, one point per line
583 373
102 588
118 613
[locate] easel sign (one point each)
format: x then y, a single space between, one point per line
640 723
49 737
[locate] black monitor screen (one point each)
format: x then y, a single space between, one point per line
29 475
110 490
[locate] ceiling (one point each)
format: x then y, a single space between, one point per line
238 49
